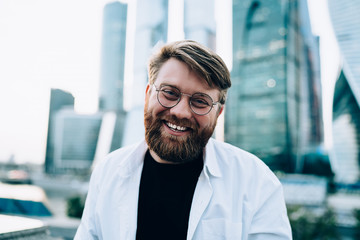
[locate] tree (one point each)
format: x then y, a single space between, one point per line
309 224
75 206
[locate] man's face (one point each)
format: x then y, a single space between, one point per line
177 134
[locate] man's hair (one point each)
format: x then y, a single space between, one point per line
206 63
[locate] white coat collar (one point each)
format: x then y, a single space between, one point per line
210 155
133 160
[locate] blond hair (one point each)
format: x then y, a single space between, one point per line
198 58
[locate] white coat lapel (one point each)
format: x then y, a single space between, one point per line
204 190
128 196
201 199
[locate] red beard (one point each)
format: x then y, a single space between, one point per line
172 148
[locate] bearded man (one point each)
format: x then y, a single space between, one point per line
179 183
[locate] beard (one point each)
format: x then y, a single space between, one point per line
175 149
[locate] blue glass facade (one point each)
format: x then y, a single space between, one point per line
346 133
76 138
113 57
346 106
269 110
113 66
58 100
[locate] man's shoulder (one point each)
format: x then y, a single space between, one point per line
226 150
237 159
119 157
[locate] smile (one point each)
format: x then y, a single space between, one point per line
176 127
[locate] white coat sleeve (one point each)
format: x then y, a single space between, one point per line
270 221
89 228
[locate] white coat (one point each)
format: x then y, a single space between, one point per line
236 197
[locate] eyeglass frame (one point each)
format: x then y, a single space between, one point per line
179 99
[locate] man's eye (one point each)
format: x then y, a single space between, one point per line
200 102
170 94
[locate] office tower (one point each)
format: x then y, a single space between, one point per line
200 25
346 106
346 132
275 70
75 140
151 29
113 57
112 66
58 100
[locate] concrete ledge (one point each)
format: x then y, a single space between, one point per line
20 228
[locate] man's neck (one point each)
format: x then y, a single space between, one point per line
158 159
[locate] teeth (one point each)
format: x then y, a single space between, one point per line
173 126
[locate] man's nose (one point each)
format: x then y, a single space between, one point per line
182 109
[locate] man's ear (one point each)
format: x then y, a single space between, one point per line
147 89
221 109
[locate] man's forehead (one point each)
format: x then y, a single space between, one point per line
173 66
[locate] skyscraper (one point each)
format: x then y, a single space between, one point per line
346 132
75 140
72 138
112 66
151 29
275 70
200 25
346 106
58 99
113 57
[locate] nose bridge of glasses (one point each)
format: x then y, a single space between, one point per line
182 108
187 101
185 94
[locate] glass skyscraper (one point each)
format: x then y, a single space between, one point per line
346 133
72 138
346 107
75 141
151 29
112 67
273 108
200 25
113 57
58 100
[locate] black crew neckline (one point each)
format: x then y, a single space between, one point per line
165 197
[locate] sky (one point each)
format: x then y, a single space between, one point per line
48 44
44 44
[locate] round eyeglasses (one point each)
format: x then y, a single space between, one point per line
169 96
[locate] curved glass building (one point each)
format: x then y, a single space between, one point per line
346 106
274 107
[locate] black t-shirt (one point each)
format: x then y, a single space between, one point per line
166 192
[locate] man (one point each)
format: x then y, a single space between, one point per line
179 183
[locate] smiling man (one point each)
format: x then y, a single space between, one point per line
179 183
